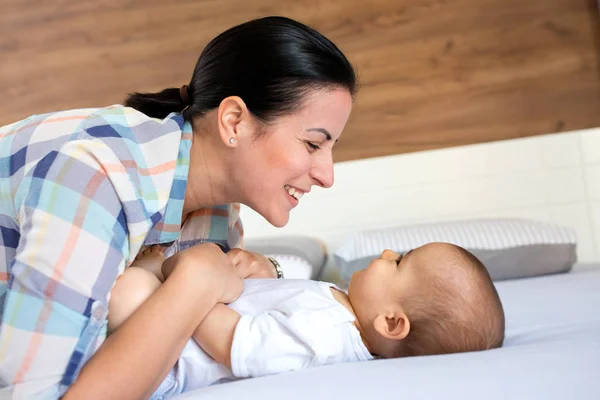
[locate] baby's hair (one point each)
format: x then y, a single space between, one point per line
454 308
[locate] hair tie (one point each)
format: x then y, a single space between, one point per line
183 92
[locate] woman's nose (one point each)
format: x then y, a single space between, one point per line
322 172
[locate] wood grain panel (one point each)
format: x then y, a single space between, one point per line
434 73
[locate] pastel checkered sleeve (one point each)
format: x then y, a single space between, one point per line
73 243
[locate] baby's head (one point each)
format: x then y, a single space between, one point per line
435 299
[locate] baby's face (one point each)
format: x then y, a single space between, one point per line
382 281
389 278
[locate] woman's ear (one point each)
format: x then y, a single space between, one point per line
232 116
394 325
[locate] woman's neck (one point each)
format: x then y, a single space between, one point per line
208 184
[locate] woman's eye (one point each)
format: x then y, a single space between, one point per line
312 146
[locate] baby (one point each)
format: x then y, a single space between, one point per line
435 299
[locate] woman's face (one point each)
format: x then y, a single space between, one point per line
275 170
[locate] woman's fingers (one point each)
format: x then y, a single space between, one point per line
233 285
242 261
218 266
251 265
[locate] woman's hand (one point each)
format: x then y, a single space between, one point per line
217 266
251 265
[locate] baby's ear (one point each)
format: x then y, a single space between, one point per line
393 325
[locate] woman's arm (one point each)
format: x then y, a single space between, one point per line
74 240
215 333
137 285
125 367
268 343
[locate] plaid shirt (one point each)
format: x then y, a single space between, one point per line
81 192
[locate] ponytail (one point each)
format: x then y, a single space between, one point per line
157 105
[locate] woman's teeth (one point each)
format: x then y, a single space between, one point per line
293 192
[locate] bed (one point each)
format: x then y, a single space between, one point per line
552 351
552 347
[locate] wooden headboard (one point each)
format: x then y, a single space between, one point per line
434 73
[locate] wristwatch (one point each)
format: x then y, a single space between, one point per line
277 267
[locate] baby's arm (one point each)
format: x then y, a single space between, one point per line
215 333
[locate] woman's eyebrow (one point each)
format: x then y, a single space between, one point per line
322 130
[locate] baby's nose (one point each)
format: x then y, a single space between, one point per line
389 255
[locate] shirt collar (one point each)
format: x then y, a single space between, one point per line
167 222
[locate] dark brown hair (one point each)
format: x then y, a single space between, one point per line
270 63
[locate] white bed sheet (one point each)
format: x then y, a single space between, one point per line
552 351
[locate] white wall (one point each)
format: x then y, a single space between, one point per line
553 178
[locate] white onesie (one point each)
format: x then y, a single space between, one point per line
285 325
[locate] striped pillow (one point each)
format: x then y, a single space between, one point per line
510 248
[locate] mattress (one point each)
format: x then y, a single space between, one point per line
552 351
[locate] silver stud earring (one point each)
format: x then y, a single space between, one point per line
231 140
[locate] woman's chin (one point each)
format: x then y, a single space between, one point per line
276 216
278 219
280 222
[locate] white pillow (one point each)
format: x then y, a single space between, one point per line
509 248
293 266
300 257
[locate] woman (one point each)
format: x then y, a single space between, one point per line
82 191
